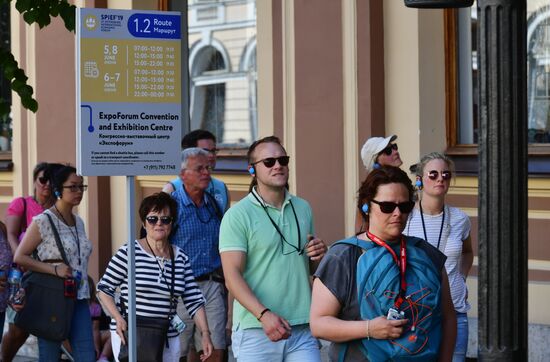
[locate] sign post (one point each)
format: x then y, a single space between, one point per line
128 91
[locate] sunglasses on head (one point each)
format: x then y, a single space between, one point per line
445 175
43 180
388 207
164 220
389 149
270 161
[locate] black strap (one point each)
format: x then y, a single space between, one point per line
23 227
58 241
214 203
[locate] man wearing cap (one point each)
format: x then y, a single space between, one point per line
376 152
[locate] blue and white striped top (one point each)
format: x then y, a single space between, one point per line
153 282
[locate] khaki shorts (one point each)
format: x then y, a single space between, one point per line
216 314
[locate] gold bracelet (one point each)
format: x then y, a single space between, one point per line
368 332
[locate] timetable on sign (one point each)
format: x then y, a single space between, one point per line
129 92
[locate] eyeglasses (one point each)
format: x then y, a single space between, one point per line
389 149
445 175
270 161
201 169
388 207
212 151
164 220
76 188
43 180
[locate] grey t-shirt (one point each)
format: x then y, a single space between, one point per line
337 271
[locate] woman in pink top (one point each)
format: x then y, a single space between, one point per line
18 217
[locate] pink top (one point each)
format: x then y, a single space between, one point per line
17 208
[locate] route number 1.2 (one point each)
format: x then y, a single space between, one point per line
146 23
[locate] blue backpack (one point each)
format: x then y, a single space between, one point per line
378 283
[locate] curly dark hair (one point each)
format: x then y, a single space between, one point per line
381 176
158 202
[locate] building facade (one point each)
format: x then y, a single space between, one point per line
324 76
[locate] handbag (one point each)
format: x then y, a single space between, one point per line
47 312
152 332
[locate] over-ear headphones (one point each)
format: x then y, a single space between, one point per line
418 183
376 165
57 194
251 170
365 208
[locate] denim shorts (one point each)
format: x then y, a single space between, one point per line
251 345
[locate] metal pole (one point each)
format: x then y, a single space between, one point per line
130 189
502 180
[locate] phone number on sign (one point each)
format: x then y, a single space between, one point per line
159 167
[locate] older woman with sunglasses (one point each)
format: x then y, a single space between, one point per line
362 323
18 217
448 229
377 152
68 188
162 271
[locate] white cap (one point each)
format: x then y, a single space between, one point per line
372 148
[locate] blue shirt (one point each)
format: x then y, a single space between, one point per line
216 188
197 232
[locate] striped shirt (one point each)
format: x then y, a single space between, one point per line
153 283
456 229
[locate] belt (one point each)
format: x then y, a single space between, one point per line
210 276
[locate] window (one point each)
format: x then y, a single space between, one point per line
222 69
5 90
461 28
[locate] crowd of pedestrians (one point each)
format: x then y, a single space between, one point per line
255 275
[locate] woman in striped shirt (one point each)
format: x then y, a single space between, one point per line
153 278
448 229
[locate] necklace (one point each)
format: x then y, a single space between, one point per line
298 248
161 268
424 225
206 206
74 235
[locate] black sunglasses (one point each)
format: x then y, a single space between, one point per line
164 220
43 180
387 207
445 175
389 149
270 161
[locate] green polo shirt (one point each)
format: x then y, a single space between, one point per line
277 274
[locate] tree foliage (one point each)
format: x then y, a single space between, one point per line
39 12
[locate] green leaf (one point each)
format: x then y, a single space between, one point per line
30 104
23 5
30 17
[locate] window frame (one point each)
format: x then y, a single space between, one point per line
466 155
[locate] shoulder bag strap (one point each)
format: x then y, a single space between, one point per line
24 224
172 285
214 203
58 240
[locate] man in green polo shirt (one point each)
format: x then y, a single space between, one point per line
268 252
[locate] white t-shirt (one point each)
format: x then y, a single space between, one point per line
456 228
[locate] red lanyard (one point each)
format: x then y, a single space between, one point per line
401 264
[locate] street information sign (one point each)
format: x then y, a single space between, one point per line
128 92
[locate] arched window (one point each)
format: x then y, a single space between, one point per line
208 101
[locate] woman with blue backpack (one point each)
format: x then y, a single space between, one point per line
381 295
448 229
